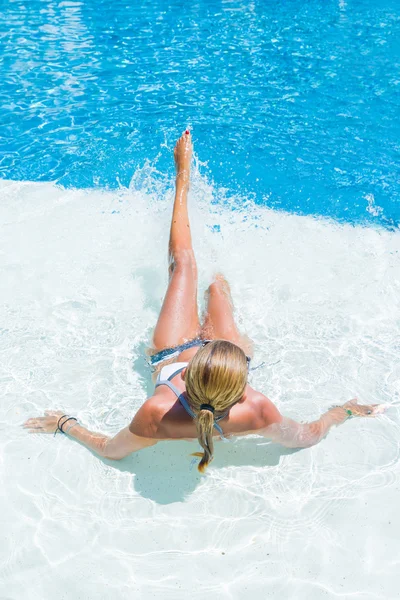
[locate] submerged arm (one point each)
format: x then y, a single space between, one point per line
291 434
122 444
117 447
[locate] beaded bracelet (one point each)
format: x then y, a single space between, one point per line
347 410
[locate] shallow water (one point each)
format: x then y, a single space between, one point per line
81 288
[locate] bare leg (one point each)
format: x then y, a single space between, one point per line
178 320
219 322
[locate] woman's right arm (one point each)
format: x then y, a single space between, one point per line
292 434
138 435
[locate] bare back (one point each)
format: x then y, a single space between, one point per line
169 420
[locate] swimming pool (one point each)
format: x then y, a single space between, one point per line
294 197
294 103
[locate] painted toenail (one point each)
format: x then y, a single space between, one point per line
187 132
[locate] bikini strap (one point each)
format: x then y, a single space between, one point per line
176 373
181 397
171 386
168 383
186 406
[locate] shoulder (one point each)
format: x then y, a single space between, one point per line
147 419
266 411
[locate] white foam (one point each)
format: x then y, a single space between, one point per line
83 274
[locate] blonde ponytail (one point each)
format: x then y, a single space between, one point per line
217 376
205 427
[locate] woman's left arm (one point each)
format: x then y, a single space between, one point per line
122 444
292 434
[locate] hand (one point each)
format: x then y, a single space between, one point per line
364 410
46 424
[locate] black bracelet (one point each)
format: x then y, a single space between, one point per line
63 423
58 425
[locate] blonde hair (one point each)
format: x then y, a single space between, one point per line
216 375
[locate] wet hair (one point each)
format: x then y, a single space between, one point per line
215 376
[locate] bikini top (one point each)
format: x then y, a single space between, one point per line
169 373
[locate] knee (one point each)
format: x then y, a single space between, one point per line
219 285
183 260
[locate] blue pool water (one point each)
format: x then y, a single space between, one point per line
294 104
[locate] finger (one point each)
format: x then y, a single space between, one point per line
379 409
29 422
35 421
38 430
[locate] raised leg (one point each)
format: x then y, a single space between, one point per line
219 322
178 321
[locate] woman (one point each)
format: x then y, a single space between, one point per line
201 388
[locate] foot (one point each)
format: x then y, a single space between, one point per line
183 156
